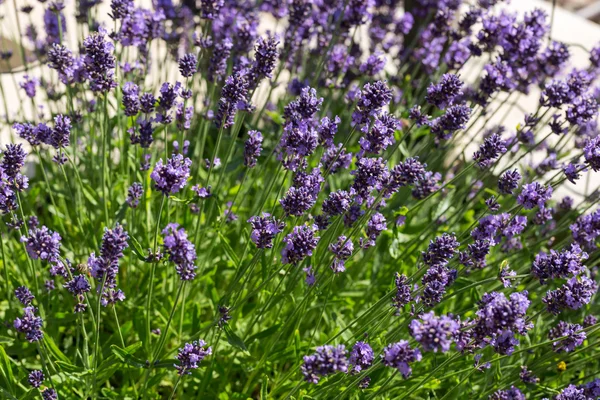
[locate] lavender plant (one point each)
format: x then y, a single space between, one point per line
297 199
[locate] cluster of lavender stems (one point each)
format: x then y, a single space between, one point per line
199 226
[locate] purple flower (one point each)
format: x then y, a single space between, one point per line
105 267
99 62
42 243
403 292
592 389
210 8
433 333
327 130
342 250
375 226
453 120
373 98
336 158
361 357
13 159
24 295
202 192
572 392
297 201
441 250
49 394
445 92
180 250
492 147
572 171
497 314
60 136
325 361
61 59
134 194
527 376
29 324
265 58
370 173
426 185
555 264
190 355
589 320
302 109
505 342
374 64
188 65
573 333
233 98
131 99
508 394
147 102
172 176
555 94
574 294
509 181
121 8
166 102
534 194
505 274
29 84
400 355
35 378
379 135
405 173
591 152
310 279
299 244
78 285
217 65
144 133
337 203
52 16
252 148
264 229
582 110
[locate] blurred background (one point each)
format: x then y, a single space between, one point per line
589 9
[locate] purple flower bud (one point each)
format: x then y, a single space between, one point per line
399 356
433 333
299 244
325 361
574 336
171 177
190 355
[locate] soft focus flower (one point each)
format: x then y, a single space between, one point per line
399 356
325 361
171 177
190 355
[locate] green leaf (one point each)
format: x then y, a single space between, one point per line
263 387
178 200
90 195
275 116
136 247
7 373
235 340
232 256
126 354
53 348
263 334
67 367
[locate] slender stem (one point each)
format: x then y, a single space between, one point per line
163 337
152 273
175 387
